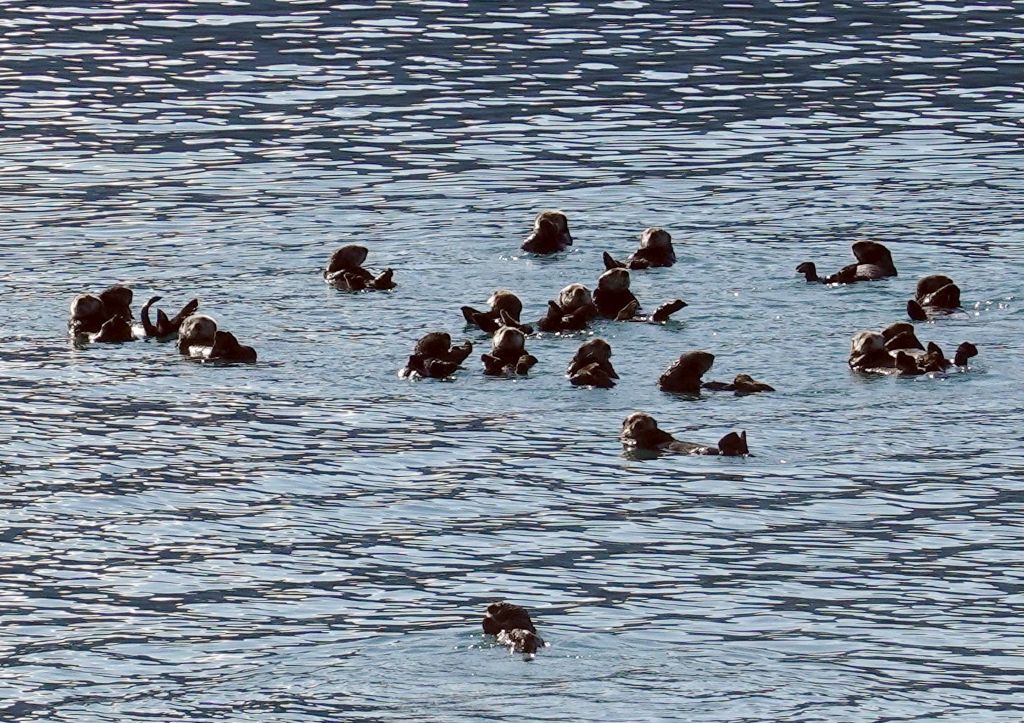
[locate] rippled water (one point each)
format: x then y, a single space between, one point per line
314 539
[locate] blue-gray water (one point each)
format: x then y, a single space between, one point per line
314 539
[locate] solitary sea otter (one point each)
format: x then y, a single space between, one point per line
199 337
550 234
345 271
655 250
513 627
435 357
572 312
501 302
936 294
591 366
508 353
685 374
873 262
640 431
614 300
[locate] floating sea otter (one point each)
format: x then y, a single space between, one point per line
897 352
435 357
508 354
684 376
614 300
550 234
935 295
506 309
199 337
345 271
591 366
655 250
572 312
640 431
873 262
513 627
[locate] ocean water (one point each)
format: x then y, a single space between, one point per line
314 539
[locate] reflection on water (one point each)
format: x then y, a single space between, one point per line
312 538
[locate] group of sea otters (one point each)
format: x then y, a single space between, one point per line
895 350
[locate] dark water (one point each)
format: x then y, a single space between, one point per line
314 539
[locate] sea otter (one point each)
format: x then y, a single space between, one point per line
345 271
614 300
512 626
741 385
434 357
640 431
550 234
573 310
655 251
508 354
935 295
591 366
226 348
873 262
685 374
501 301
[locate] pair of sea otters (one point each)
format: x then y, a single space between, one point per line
107 318
513 627
684 377
551 235
574 309
936 294
435 357
345 271
896 350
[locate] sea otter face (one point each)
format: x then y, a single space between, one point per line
197 330
596 350
433 345
931 284
614 280
550 233
508 341
872 252
693 363
656 238
894 330
86 306
347 257
865 343
637 426
504 300
573 297
117 297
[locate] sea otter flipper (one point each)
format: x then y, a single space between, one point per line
610 262
186 311
147 325
810 271
915 311
163 324
663 312
629 311
733 444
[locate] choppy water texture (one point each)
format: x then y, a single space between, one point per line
314 539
